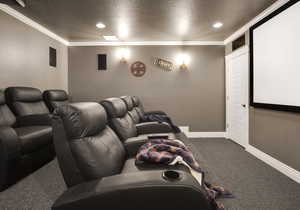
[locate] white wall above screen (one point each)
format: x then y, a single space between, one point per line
276 59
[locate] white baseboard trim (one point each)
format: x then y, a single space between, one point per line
283 168
186 131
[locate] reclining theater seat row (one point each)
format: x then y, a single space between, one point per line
92 160
133 135
25 135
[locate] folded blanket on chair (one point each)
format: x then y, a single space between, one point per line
170 152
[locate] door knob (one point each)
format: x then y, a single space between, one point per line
243 105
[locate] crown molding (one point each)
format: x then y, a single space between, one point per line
232 37
262 15
32 23
147 43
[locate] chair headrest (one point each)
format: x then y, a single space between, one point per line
2 97
55 95
23 94
136 101
82 119
115 107
128 101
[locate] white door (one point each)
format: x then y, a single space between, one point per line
237 96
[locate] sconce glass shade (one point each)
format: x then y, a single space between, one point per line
123 54
183 60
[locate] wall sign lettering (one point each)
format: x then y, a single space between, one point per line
164 64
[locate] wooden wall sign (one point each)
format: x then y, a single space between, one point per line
138 69
164 64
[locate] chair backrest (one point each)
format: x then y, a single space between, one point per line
55 98
7 118
131 110
86 147
119 119
138 106
25 101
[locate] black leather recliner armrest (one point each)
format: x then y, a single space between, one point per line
142 190
10 150
153 127
34 120
155 112
10 146
132 145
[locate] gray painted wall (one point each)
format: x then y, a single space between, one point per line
275 133
24 59
195 97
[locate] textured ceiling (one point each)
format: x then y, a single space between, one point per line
143 20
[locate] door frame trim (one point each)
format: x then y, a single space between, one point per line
239 52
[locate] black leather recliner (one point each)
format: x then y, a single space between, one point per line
134 113
55 98
95 168
133 135
25 144
138 106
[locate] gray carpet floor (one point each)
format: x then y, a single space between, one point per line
256 185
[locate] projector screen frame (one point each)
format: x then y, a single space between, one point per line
258 24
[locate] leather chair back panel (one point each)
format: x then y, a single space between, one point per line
136 101
138 106
54 104
140 112
2 98
124 127
119 119
115 107
55 98
7 118
86 147
56 95
135 116
25 101
98 156
24 94
82 119
128 101
30 108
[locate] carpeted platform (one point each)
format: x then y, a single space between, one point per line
256 185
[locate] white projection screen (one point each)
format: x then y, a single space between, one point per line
275 60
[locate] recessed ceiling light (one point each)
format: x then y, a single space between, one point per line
110 38
217 25
100 25
123 31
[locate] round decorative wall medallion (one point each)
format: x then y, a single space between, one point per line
138 69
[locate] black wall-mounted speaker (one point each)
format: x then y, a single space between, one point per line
102 62
52 57
239 42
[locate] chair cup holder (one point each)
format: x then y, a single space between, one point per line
171 175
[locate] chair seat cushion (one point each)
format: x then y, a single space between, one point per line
131 167
34 137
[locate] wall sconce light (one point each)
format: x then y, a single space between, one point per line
183 61
123 54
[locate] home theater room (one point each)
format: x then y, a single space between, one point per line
149 104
